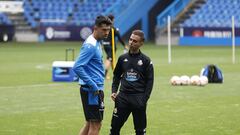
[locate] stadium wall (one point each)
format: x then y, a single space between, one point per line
173 10
206 36
64 33
138 11
7 32
159 7
204 41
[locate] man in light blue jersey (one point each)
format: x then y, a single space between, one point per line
89 68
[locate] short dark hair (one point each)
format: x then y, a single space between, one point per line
111 16
102 20
139 33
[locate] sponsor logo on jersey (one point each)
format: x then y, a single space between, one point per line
132 75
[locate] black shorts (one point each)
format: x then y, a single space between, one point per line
108 50
125 104
92 112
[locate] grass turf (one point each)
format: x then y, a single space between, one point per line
31 104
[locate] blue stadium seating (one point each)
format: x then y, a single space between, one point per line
215 13
4 19
64 12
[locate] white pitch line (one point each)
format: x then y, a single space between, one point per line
30 86
10 130
43 67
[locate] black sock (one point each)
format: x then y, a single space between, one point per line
106 71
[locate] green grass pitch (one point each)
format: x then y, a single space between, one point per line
31 104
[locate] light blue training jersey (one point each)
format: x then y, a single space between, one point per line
89 64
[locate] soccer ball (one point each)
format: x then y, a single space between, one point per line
185 80
203 80
175 80
195 80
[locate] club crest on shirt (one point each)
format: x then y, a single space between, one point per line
140 63
115 110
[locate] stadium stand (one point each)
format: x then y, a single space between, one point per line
210 13
211 24
173 10
30 15
87 11
178 10
64 12
4 19
63 15
39 15
215 13
200 22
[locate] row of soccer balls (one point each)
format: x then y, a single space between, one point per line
185 80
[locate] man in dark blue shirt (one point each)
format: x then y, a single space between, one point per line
89 68
134 74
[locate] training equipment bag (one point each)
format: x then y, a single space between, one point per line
213 73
